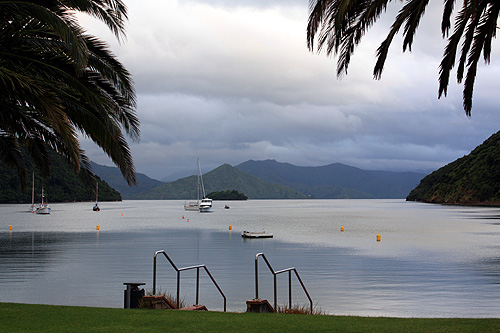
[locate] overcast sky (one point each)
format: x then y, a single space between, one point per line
228 81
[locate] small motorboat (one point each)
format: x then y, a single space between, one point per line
251 234
226 207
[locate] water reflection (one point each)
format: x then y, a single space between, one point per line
432 261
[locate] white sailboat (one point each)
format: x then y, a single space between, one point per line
44 207
205 205
96 207
195 205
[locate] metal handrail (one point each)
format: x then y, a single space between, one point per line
179 270
275 273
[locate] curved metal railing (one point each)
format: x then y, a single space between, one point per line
275 274
179 270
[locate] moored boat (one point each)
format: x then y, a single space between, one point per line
44 207
205 205
192 206
33 207
96 206
252 234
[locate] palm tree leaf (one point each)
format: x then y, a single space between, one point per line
56 81
448 61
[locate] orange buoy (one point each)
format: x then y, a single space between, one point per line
230 227
342 228
10 227
97 228
378 237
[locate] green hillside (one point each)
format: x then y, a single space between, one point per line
222 178
64 185
473 179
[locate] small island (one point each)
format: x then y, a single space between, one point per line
227 195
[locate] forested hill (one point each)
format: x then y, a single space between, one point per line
114 177
222 178
64 185
471 180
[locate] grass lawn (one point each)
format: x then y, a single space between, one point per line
49 318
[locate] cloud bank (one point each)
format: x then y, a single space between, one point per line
229 81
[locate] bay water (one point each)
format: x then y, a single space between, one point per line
431 260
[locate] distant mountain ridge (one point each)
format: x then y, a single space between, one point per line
114 178
270 179
335 181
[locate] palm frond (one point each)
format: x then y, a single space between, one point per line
339 25
56 81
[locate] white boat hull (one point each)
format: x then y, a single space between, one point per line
248 234
192 206
207 209
43 210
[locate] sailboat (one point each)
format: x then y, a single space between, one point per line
44 207
205 205
33 207
96 207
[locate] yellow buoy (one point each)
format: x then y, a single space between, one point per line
230 227
10 227
378 237
97 228
342 228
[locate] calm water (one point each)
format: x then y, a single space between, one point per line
432 261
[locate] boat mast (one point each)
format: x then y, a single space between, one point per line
96 192
198 175
33 193
201 178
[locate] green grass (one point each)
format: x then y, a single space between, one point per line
49 318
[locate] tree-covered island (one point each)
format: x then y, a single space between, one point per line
227 195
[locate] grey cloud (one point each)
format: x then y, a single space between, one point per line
229 81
